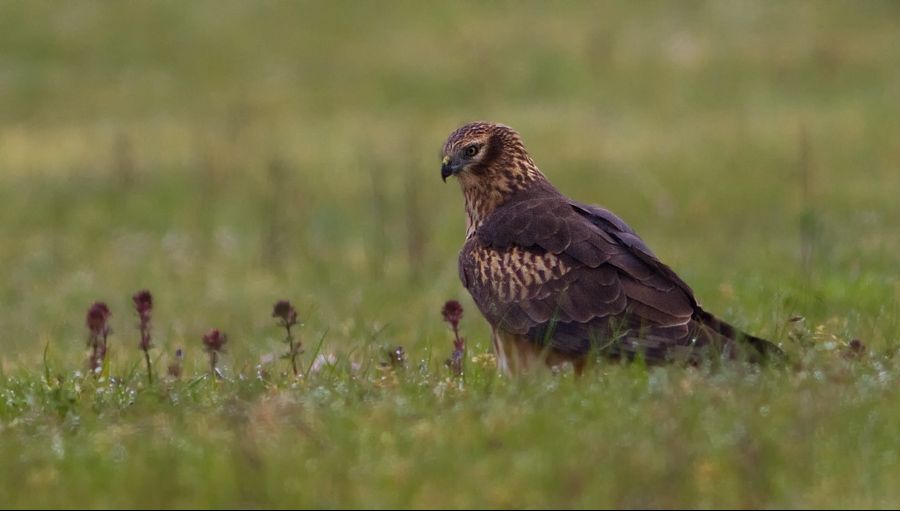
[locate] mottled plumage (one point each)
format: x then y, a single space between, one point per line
557 279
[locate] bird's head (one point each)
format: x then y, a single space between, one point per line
481 152
491 164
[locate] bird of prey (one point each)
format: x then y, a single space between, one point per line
559 280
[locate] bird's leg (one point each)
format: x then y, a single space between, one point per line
522 355
579 364
500 353
517 355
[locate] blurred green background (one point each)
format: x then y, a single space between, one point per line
228 154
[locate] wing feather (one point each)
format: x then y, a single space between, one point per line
575 276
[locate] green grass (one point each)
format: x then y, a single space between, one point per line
226 155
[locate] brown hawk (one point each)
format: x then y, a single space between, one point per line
558 280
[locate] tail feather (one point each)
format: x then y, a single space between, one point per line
730 337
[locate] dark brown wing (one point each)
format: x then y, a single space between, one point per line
705 327
577 277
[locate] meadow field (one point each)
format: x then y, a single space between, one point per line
226 155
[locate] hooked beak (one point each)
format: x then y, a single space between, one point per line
448 168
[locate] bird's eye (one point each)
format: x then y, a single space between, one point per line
471 151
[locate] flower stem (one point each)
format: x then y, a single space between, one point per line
149 370
292 352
